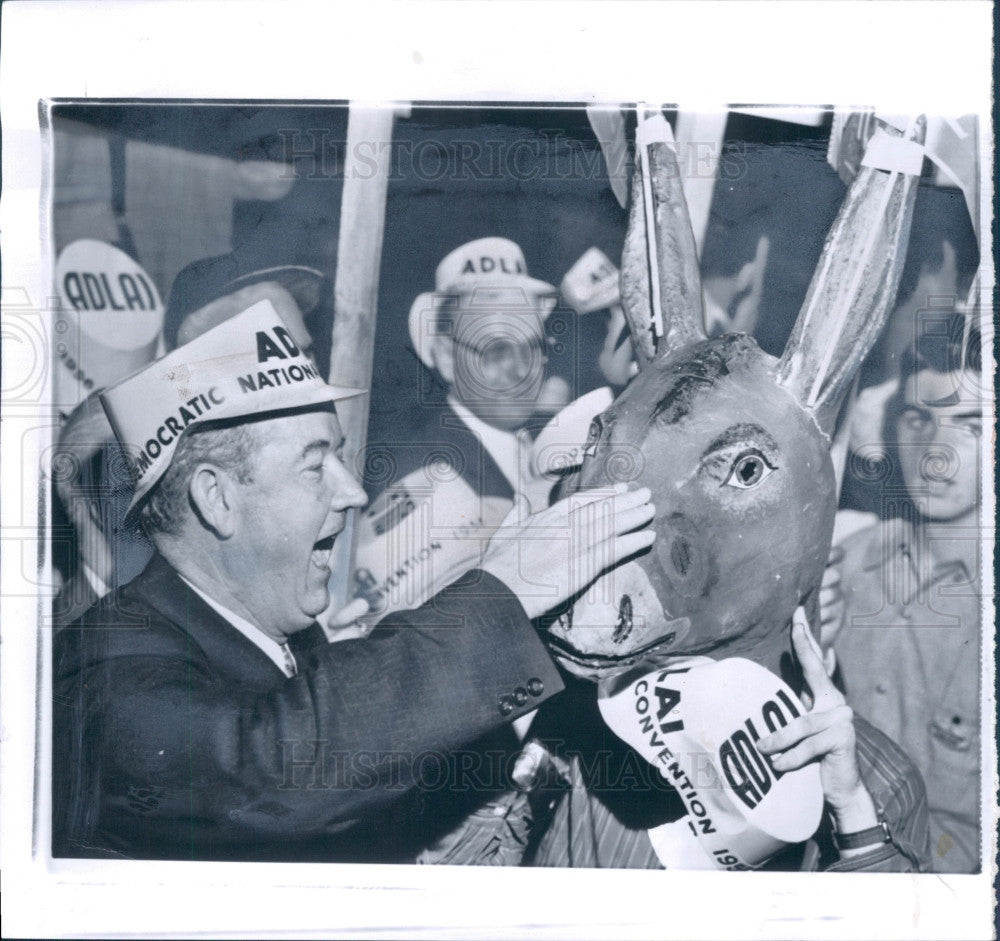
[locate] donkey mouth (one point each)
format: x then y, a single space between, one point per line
607 662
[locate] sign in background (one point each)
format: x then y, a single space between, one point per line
108 322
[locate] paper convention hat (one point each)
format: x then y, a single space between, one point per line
490 273
592 283
246 366
698 720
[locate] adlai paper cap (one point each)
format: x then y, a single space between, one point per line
491 273
698 721
247 366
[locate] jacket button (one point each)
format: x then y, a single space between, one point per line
520 695
535 686
506 705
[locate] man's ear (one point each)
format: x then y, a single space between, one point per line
213 496
443 357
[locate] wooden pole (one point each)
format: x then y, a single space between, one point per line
700 136
359 257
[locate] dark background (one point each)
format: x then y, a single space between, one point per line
534 175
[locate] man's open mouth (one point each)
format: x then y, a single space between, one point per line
322 551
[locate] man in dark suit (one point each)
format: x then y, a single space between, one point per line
91 481
443 479
198 711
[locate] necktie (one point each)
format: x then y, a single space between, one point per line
291 668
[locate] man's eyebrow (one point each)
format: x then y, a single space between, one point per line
320 444
738 434
952 399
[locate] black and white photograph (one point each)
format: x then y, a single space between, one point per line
426 495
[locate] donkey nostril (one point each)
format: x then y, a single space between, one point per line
680 555
624 626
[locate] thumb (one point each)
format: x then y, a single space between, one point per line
348 615
518 512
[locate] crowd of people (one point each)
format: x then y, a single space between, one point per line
202 712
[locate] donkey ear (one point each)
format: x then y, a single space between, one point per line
854 288
660 280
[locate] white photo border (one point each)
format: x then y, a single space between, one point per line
900 57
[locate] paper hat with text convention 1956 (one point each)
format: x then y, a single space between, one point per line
246 366
488 273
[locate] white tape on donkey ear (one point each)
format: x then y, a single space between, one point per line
885 152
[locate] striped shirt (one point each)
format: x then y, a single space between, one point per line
586 832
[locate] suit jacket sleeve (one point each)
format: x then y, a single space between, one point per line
176 754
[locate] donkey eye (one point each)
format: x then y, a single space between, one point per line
590 449
748 470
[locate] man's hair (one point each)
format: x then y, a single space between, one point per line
939 215
229 446
946 344
788 193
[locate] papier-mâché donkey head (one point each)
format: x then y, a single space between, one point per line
733 443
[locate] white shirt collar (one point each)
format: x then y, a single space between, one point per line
280 654
96 582
503 446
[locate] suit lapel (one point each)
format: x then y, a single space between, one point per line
228 652
480 471
74 598
306 645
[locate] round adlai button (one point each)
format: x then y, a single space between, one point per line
520 695
535 686
506 706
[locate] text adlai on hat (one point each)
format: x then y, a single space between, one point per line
492 273
246 366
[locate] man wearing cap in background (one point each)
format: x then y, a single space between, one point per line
211 290
446 488
482 333
199 711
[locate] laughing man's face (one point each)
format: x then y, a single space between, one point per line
291 512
